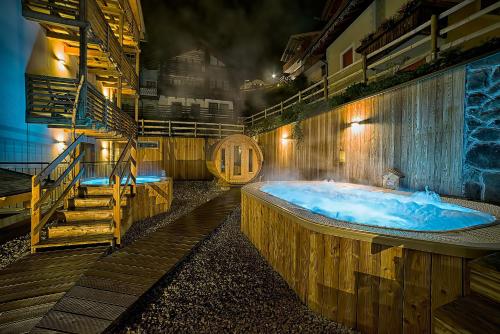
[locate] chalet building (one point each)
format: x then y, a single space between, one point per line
366 38
195 85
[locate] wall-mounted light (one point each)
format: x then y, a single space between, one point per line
355 125
61 63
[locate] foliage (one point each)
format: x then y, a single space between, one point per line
300 111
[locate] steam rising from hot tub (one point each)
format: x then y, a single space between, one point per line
420 211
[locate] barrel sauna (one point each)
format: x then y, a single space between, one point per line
235 160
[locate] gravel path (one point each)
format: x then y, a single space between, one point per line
225 286
187 196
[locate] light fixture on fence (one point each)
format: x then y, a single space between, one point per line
342 156
355 125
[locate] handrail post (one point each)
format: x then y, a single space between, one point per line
325 88
364 64
265 112
36 194
300 96
117 208
252 119
434 36
195 127
142 121
281 108
133 165
220 131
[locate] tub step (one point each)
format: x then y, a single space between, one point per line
100 239
88 215
485 276
471 314
94 202
83 228
85 191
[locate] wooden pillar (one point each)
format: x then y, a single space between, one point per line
82 67
137 69
434 36
36 194
117 208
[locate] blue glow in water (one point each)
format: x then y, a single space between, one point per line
102 181
421 211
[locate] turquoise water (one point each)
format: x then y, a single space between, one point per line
102 181
420 211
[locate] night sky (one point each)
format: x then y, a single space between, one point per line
247 35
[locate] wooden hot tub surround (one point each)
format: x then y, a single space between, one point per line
373 279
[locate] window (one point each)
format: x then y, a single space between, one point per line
176 108
237 160
223 160
150 84
195 110
224 108
250 160
347 57
213 107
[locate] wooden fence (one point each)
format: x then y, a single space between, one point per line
365 71
417 128
180 158
149 127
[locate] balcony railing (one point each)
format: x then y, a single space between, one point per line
149 91
50 100
186 113
67 13
148 127
404 51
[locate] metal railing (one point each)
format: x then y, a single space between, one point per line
426 49
186 113
188 129
51 100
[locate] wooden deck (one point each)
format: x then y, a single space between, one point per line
30 287
111 285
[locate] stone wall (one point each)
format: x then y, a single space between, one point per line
481 167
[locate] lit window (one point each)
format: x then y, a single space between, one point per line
347 57
223 160
250 160
237 160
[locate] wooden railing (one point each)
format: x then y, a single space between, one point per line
65 183
68 13
423 49
51 100
188 129
186 114
125 169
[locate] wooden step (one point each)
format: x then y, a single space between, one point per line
100 239
485 276
94 202
80 229
471 314
88 215
85 191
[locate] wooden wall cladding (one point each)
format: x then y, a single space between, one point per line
181 158
364 285
151 199
417 128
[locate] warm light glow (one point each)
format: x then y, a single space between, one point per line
61 146
355 125
284 138
274 75
61 62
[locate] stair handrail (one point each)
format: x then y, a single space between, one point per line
115 178
38 196
76 104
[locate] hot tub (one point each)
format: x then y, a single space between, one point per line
104 181
354 254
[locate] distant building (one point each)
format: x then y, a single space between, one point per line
195 85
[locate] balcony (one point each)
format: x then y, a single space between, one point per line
51 101
62 20
149 91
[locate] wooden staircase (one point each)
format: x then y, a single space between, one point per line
91 215
479 312
87 219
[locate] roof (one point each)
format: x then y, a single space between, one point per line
14 183
296 44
